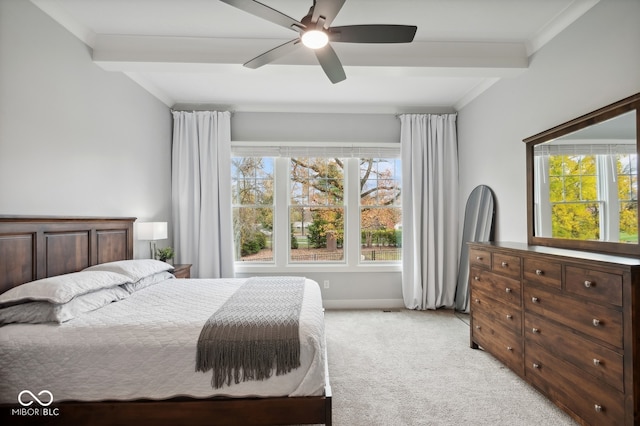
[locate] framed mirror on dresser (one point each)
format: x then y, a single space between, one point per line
563 310
582 182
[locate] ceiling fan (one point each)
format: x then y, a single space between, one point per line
315 31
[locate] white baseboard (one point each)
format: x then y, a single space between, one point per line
363 304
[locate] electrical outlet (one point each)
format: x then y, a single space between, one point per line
326 283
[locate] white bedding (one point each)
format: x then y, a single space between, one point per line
144 347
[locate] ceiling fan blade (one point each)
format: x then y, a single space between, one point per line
273 54
373 33
265 12
330 63
328 9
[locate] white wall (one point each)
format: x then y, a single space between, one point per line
75 139
292 127
594 62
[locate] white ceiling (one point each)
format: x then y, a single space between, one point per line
192 51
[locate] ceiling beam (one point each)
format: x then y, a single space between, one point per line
151 53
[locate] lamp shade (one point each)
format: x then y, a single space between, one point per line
150 231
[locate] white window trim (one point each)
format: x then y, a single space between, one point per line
351 152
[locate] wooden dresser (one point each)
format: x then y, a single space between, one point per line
566 321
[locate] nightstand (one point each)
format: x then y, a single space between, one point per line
182 271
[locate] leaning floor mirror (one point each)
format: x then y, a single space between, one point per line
479 216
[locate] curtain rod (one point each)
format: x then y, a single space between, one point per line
425 113
232 112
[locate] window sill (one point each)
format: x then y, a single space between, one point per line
244 267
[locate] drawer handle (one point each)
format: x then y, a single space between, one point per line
477 327
509 316
588 284
509 348
596 361
508 290
598 408
535 300
596 322
535 330
476 278
478 257
505 264
539 272
536 365
477 300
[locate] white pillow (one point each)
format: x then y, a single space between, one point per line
40 312
135 269
62 288
148 281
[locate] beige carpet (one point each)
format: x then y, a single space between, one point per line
416 368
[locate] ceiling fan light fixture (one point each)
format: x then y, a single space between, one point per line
315 39
314 31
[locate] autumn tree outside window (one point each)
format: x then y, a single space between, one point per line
587 194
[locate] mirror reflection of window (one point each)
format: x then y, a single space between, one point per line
586 184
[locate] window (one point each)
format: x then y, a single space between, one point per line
627 177
380 210
316 209
252 194
592 195
575 202
321 210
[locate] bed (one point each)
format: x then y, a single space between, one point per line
145 365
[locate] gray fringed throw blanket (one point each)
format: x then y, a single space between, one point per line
255 331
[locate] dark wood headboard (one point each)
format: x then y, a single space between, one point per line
38 247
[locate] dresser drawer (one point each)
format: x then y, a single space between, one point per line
480 258
593 320
595 402
507 265
498 341
596 285
504 314
498 286
543 271
594 359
